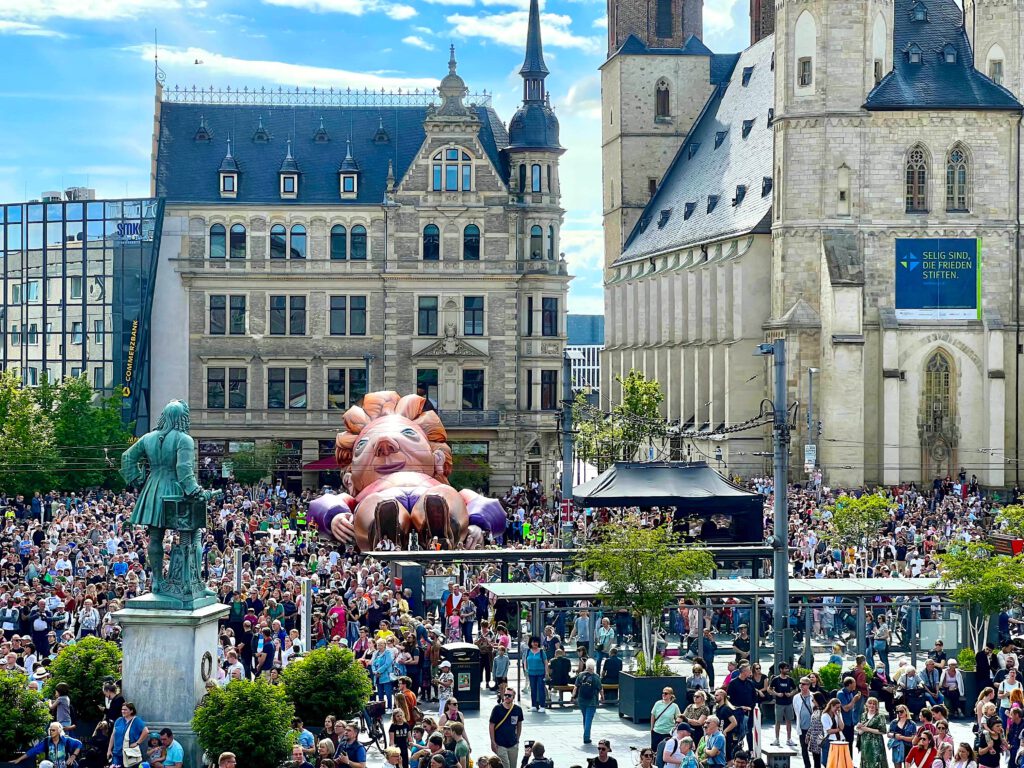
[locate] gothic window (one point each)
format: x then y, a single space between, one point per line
661 105
452 170
938 390
805 48
663 23
917 180
957 178
431 243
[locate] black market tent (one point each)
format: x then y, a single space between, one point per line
693 488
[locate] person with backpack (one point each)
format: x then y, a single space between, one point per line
588 694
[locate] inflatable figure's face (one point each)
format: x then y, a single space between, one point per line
387 445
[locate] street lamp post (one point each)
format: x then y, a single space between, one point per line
780 539
568 356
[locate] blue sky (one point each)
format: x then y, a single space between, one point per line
76 104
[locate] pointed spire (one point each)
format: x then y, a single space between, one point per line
320 136
391 177
452 63
289 165
228 163
348 165
534 65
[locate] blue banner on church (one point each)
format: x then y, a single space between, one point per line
938 278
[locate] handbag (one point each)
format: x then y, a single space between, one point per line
130 756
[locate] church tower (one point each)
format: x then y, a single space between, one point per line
654 84
762 19
994 28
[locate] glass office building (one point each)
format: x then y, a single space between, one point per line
78 280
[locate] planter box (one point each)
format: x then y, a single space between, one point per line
637 695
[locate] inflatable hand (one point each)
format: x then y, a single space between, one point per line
332 516
486 513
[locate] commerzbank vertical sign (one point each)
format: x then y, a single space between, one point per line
938 278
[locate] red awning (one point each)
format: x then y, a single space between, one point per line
326 464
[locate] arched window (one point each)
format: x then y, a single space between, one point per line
805 50
917 180
938 391
551 243
471 243
535 178
358 244
661 100
994 63
237 243
522 177
452 170
298 242
879 46
958 176
278 246
536 243
431 243
339 243
663 23
218 242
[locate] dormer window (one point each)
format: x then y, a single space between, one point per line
919 12
348 175
747 126
719 138
688 210
228 184
747 72
289 186
766 186
771 116
349 185
693 150
712 202
261 134
663 218
741 192
914 54
203 133
949 54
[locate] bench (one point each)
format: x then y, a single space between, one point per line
777 757
556 695
610 688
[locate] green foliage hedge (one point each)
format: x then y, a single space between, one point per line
249 718
84 666
328 681
23 715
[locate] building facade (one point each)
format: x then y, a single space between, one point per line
887 256
585 343
78 282
369 242
762 19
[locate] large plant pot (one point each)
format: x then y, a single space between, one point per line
637 695
970 691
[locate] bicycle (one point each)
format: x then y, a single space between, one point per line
371 730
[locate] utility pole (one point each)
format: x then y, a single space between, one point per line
780 539
567 453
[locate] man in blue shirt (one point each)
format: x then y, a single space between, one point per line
303 738
175 752
848 699
350 752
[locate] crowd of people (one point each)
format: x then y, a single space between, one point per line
68 563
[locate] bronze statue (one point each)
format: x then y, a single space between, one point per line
170 499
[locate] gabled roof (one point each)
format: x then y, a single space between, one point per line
934 84
187 169
696 176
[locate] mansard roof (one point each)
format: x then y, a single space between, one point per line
187 169
701 170
933 83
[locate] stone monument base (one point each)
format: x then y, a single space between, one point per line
168 657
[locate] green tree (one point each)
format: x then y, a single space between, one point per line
638 414
596 439
247 717
88 433
327 681
84 666
28 456
471 472
1011 518
982 581
250 465
645 569
23 715
855 519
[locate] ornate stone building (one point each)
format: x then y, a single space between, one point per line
851 184
327 243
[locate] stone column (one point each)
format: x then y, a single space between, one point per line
168 657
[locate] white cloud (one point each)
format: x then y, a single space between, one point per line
583 98
418 42
510 29
524 4
83 10
601 23
397 11
25 29
718 16
278 72
450 2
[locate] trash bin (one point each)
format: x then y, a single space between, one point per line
465 661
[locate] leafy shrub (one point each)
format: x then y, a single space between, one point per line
799 672
84 666
249 718
831 676
23 716
658 668
965 659
328 681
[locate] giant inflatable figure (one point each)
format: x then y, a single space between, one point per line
395 462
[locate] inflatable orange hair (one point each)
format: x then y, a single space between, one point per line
379 404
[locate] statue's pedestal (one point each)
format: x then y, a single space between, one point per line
168 657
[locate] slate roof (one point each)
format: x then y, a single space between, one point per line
934 84
187 168
585 330
721 63
702 172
